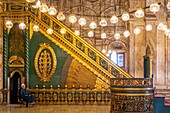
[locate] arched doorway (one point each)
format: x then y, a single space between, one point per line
15 82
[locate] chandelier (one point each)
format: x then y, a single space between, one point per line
52 10
36 28
93 25
114 19
50 31
137 31
139 13
125 17
77 32
148 27
126 33
103 22
90 34
82 21
154 7
61 16
62 30
9 24
22 25
72 18
43 8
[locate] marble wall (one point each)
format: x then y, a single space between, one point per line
1 52
155 40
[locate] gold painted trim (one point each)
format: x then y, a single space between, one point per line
134 89
12 73
125 94
14 58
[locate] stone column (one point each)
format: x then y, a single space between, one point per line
1 52
137 43
168 60
160 59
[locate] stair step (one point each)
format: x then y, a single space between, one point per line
167 104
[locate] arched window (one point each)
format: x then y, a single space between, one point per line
118 58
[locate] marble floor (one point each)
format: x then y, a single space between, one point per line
55 109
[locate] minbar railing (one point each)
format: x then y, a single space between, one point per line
132 95
71 96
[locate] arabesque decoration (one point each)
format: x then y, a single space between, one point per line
16 61
45 62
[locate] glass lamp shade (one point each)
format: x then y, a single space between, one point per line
103 35
154 7
165 27
36 28
114 19
93 25
49 31
117 36
126 33
52 10
160 26
30 1
61 16
77 32
139 13
148 27
72 19
62 30
90 34
103 22
137 31
109 51
125 16
22 25
82 21
37 5
107 54
9 24
168 5
103 51
167 32
43 7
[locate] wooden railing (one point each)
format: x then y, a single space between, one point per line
71 96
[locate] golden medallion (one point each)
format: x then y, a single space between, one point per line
45 62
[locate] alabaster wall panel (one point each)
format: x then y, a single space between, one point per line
139 53
131 64
161 64
151 41
80 75
168 62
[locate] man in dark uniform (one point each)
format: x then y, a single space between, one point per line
26 96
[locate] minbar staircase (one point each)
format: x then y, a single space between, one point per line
74 45
78 48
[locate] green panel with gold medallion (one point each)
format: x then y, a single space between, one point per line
46 62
